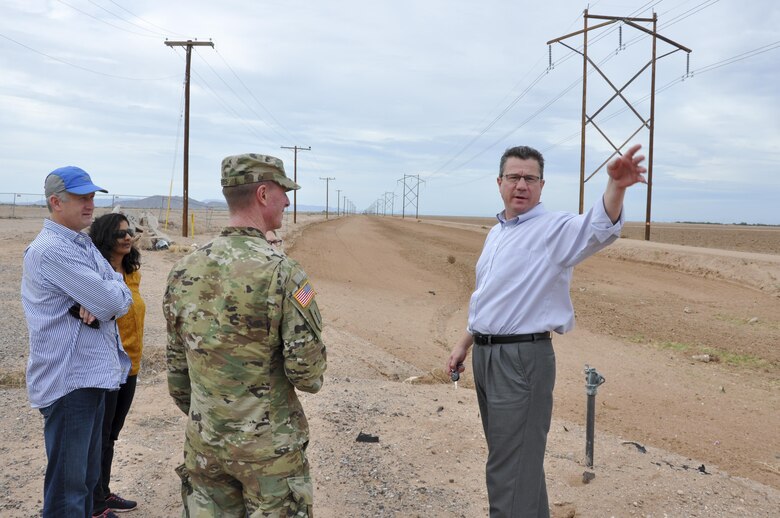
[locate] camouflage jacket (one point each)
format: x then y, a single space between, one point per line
244 332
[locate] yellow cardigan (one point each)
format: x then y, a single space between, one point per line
131 325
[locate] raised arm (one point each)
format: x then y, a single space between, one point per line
623 172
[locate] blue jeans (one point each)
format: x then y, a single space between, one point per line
72 427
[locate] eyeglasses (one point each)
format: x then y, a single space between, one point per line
274 242
515 178
120 234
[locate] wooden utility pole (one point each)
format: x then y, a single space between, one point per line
295 177
185 202
590 119
327 182
338 202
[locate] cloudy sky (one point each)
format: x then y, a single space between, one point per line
384 89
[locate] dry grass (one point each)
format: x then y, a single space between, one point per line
153 361
12 379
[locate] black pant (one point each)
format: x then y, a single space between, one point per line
117 406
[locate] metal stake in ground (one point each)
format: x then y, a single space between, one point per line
592 381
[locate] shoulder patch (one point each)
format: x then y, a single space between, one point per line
305 294
298 277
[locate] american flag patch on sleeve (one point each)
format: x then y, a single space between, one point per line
305 294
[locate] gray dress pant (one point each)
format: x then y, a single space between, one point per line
514 385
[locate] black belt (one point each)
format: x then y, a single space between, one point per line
509 339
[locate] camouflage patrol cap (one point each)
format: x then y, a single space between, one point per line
253 168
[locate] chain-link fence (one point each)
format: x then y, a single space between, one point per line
203 217
13 205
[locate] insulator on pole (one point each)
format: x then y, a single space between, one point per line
549 57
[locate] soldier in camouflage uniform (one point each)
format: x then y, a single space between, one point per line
244 332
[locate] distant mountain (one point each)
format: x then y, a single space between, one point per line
157 202
161 203
312 208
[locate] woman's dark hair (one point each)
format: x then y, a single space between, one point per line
102 233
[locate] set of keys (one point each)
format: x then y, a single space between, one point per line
455 375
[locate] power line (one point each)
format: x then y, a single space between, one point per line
738 57
677 19
156 34
517 99
492 123
175 151
708 68
251 109
699 71
524 122
690 12
225 104
105 22
256 99
146 21
289 135
49 56
606 33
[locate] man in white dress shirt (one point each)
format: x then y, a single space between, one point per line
521 296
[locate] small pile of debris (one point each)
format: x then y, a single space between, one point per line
147 226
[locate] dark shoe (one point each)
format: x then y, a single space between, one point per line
118 504
105 514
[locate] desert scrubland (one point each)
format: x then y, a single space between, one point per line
394 294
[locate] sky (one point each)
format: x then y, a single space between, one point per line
392 96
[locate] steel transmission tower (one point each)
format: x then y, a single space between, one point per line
411 193
390 196
587 118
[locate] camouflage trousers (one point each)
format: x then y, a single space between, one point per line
216 487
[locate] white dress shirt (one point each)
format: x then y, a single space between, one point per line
524 272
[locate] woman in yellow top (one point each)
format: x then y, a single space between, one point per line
113 236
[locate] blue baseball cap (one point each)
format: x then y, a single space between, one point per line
70 179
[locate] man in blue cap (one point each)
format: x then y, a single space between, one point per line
71 298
